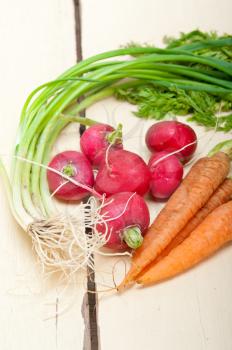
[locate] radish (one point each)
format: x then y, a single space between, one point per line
127 218
97 138
171 136
123 171
166 174
72 164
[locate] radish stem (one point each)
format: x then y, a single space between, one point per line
69 170
133 237
115 136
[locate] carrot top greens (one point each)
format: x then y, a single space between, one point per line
159 101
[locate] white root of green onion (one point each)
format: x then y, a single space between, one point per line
60 240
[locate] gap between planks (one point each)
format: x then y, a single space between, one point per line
89 306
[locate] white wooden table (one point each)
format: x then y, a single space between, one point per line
191 312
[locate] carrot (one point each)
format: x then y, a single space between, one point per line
222 195
214 232
197 187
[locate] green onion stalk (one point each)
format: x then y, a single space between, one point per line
52 106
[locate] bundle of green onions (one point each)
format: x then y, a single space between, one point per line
52 106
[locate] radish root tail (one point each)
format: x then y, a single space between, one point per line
62 242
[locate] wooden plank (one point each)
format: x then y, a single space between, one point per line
38 43
192 311
109 24
188 312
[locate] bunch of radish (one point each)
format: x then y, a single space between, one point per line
122 176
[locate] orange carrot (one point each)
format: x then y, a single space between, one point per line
222 195
196 189
214 232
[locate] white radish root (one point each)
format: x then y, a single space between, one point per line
62 242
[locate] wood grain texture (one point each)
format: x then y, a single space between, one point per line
37 44
192 311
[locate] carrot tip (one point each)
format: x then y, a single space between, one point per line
139 283
121 287
124 284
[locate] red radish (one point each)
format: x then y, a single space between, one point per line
75 165
127 217
171 136
97 138
166 174
123 171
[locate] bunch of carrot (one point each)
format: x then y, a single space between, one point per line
196 221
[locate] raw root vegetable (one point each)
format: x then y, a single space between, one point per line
198 186
127 218
76 166
171 136
212 234
97 139
166 174
222 195
123 171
